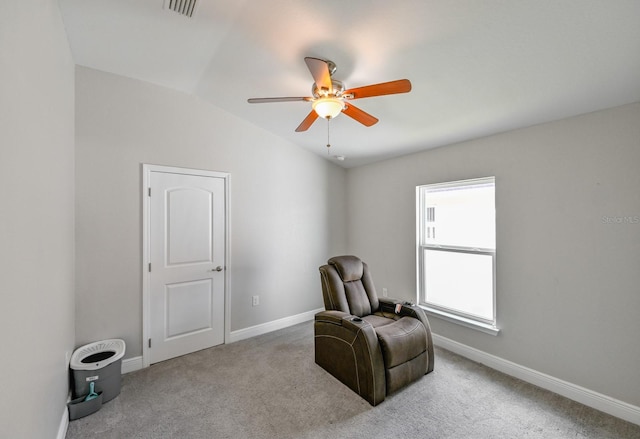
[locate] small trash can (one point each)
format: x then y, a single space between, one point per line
100 363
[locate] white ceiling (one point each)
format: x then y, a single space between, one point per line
477 67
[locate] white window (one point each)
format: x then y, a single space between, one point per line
456 245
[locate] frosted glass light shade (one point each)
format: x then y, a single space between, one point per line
328 107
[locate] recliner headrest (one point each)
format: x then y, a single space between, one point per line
350 268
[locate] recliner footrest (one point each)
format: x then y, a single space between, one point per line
403 344
402 340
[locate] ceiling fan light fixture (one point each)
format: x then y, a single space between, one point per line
330 97
328 107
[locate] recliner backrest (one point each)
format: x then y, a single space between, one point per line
347 286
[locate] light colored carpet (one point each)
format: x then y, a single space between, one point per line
270 387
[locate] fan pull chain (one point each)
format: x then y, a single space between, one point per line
328 142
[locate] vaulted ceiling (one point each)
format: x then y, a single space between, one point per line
478 67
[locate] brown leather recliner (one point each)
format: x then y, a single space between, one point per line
373 345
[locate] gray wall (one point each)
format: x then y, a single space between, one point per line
287 205
36 218
568 283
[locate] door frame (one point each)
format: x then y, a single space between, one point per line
147 169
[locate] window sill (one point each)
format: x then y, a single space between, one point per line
478 326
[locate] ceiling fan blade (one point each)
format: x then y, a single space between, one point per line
320 72
267 100
361 116
307 122
384 88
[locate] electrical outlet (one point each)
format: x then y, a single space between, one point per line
255 301
385 293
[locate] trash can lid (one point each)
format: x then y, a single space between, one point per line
97 355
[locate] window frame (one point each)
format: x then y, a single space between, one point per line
480 323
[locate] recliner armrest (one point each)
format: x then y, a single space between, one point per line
388 304
348 321
331 316
408 309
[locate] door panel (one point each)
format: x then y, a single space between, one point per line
189 228
186 247
188 308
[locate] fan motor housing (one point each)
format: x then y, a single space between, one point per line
338 89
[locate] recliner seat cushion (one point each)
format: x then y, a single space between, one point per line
401 341
377 320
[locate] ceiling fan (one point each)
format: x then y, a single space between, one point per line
330 97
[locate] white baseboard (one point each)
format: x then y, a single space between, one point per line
64 422
598 401
131 365
252 331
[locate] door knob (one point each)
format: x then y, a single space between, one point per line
218 268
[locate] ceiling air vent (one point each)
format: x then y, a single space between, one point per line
183 7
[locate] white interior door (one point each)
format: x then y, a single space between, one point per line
187 263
